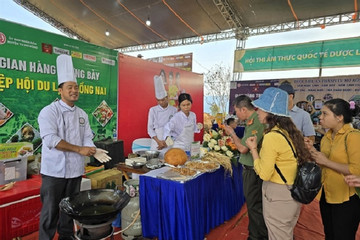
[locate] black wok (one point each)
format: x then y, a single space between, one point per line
95 206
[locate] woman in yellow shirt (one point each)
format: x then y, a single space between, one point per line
280 210
339 157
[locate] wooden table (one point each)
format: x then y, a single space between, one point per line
125 169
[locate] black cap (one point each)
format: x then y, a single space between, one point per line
287 88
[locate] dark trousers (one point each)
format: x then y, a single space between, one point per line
51 218
340 221
252 186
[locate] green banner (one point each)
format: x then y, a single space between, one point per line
332 53
28 80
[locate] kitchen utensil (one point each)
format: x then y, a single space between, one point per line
95 206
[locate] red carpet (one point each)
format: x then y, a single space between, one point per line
309 226
235 228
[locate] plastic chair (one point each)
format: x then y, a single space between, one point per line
141 144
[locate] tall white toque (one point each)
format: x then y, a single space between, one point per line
160 91
65 69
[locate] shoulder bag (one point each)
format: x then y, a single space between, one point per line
307 182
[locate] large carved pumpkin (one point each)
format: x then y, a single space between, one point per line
175 156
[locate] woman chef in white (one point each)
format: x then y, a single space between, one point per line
158 116
183 125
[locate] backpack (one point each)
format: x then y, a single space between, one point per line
307 182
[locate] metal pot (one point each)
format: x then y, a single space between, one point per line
154 163
95 206
138 164
151 154
148 154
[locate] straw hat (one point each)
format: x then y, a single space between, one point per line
273 100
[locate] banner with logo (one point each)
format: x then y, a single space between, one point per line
182 61
310 93
137 95
322 54
28 81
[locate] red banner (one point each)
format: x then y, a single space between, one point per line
136 94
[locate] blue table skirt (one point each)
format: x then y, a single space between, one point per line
172 211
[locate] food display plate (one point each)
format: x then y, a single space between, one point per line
175 176
154 163
190 163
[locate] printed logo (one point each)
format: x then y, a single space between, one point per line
89 57
47 48
76 54
82 120
61 51
107 61
2 38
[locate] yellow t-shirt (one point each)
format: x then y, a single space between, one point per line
334 185
275 149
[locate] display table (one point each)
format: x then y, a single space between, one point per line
20 209
172 210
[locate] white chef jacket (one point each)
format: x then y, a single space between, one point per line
158 117
177 124
57 122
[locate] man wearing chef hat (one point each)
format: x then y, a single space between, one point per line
66 140
158 116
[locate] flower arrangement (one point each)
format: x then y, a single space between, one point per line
218 141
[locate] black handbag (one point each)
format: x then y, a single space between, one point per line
307 182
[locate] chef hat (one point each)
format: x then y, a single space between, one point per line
160 91
65 69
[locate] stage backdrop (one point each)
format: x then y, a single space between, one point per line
137 95
310 93
28 80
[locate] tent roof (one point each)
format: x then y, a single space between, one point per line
173 19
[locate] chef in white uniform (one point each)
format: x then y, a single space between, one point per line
183 125
158 116
66 140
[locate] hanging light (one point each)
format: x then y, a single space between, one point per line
107 33
148 22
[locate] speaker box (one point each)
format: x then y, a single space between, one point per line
115 149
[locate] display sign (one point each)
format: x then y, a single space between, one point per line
137 95
310 93
322 54
182 61
28 81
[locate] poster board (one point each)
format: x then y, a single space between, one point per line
28 81
310 93
137 95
